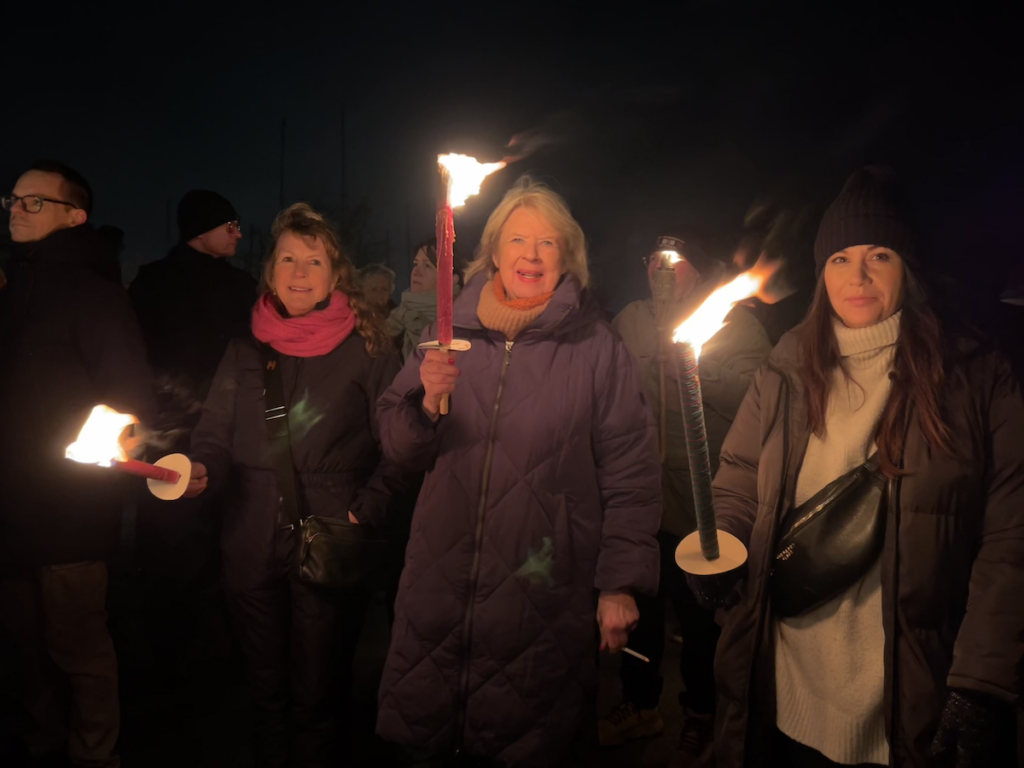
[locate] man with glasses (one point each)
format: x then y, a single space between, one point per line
69 341
680 276
190 304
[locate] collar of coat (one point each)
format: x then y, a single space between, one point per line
74 247
571 307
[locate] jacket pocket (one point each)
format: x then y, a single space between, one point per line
551 560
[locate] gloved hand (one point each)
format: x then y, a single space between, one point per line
718 591
967 730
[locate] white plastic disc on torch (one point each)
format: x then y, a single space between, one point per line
731 555
177 462
457 345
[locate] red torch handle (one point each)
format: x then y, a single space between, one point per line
150 471
445 233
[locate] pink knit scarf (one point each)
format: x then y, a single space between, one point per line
311 335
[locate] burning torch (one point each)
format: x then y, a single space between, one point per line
708 551
461 177
99 443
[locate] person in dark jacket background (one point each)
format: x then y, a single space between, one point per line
918 662
727 366
539 507
335 362
190 304
68 341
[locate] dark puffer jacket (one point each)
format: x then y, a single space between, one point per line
331 414
69 341
190 295
542 486
952 567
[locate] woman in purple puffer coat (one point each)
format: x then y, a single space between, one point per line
539 510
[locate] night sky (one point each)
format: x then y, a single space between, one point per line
657 118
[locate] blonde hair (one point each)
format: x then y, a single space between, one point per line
300 219
527 193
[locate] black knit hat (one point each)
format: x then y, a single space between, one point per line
689 250
872 209
202 210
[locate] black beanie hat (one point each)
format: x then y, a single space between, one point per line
872 209
202 210
689 250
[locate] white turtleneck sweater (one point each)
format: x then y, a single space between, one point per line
829 663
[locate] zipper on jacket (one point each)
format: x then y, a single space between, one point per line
474 572
895 486
895 489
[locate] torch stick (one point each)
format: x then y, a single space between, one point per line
149 471
167 479
445 232
692 405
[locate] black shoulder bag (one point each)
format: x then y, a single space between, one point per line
332 552
830 541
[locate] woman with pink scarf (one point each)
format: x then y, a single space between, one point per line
334 359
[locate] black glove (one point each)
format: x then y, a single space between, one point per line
967 730
718 591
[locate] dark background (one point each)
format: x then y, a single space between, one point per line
659 117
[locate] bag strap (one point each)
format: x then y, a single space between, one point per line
873 462
279 434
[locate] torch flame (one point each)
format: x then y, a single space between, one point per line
709 318
99 442
467 174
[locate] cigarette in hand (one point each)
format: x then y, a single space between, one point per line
636 655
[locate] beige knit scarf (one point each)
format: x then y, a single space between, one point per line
497 313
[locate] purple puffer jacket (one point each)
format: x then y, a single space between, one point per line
543 485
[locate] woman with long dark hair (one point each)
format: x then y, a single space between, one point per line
876 472
313 329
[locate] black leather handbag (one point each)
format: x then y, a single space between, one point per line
830 541
332 552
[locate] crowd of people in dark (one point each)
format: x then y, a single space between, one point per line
515 499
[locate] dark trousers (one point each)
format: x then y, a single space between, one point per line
298 643
57 617
642 682
187 626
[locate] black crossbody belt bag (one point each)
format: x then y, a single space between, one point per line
830 541
331 552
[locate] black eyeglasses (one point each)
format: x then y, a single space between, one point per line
30 203
234 227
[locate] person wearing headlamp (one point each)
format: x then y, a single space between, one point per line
681 275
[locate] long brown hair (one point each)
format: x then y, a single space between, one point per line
302 220
919 372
